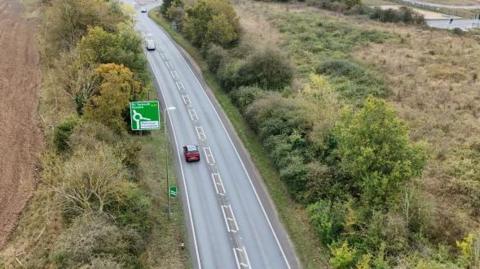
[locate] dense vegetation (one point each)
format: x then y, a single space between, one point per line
339 147
92 185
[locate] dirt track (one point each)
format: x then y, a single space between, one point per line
20 136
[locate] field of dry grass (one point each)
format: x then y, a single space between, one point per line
433 77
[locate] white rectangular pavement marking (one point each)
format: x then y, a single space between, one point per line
217 182
200 133
241 258
209 155
193 114
230 220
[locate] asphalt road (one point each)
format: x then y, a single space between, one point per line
464 24
231 221
428 4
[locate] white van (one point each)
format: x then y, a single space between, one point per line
150 44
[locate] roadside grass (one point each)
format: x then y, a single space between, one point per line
164 248
294 217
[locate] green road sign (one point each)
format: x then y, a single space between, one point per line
144 115
173 191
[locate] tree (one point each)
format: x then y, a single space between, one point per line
116 89
212 21
122 47
67 21
375 151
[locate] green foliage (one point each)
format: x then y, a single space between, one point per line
268 69
403 14
328 219
116 89
311 39
335 5
215 56
62 134
353 81
246 95
343 256
123 48
67 21
374 150
211 21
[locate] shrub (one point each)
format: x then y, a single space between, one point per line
343 256
89 135
215 57
328 219
90 238
92 180
212 21
268 69
352 80
228 75
403 14
375 151
67 21
246 95
131 208
62 134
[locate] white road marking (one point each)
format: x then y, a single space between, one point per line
230 220
187 197
217 182
244 169
162 55
174 74
193 114
200 133
241 257
209 155
169 66
186 99
179 85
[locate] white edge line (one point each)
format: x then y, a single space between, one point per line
243 165
183 176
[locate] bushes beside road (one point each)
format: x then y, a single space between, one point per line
339 148
93 209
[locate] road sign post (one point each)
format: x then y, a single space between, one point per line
144 115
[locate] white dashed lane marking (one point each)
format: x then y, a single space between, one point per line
209 155
193 114
241 258
217 182
230 220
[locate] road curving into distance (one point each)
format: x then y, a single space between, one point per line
230 219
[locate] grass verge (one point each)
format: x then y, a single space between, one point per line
293 215
165 248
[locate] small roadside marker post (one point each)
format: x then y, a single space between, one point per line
173 191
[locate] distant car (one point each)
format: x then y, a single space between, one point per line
143 10
150 44
191 153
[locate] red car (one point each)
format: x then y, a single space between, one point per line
191 153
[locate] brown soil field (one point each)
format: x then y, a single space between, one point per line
20 136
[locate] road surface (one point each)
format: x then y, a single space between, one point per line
231 221
436 5
464 24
